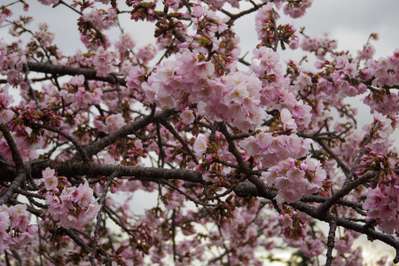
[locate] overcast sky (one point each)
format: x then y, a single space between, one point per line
348 21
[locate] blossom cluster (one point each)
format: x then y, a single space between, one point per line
296 9
11 62
270 33
382 206
295 179
16 229
71 207
188 80
319 46
275 93
270 150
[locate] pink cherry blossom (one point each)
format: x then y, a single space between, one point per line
114 122
75 207
50 179
102 62
295 179
200 145
297 9
187 116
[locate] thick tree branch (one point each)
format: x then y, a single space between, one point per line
330 243
19 165
141 173
81 168
61 70
16 156
17 182
247 188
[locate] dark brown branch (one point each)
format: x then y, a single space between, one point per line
101 202
247 188
347 171
16 156
19 165
330 243
71 169
89 74
174 235
346 190
161 155
69 138
74 236
179 138
79 168
234 17
14 185
233 149
70 7
85 247
124 131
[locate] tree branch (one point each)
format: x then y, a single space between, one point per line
14 185
89 74
16 156
330 243
128 129
346 190
326 217
141 173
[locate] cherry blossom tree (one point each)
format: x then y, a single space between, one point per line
248 156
